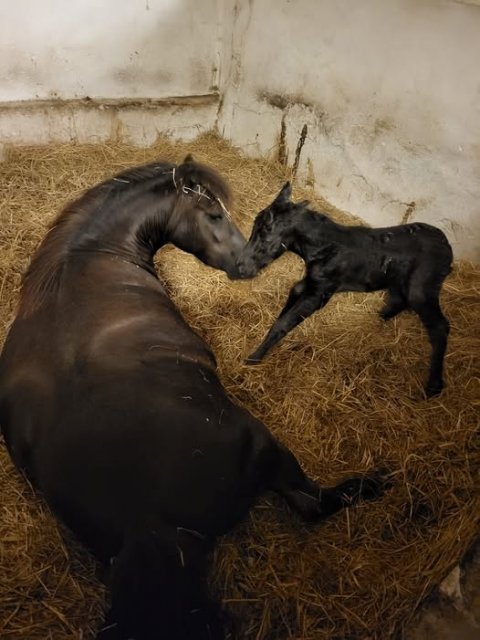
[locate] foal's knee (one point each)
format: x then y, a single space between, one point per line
443 326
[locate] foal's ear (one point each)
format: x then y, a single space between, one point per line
188 158
285 193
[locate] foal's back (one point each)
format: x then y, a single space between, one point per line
415 240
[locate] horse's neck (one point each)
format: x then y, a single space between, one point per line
132 229
95 224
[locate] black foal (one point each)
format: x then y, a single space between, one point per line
411 261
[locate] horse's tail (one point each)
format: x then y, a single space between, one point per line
159 588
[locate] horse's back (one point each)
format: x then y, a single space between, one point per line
120 433
125 418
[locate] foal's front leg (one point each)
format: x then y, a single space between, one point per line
295 292
305 298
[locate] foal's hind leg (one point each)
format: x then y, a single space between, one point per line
423 299
396 303
313 502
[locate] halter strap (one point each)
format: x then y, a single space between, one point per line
201 194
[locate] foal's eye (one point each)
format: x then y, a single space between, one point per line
215 217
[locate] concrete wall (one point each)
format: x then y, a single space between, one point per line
112 53
107 48
390 94
389 90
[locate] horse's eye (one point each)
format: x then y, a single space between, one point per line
215 217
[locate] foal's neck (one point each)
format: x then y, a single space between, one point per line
311 230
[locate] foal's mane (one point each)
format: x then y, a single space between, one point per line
46 268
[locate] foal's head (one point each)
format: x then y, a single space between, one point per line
201 223
271 235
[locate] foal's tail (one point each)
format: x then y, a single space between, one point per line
159 589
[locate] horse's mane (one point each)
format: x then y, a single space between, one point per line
192 173
46 268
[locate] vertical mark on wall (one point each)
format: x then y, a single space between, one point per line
408 213
310 182
230 45
282 145
116 129
301 142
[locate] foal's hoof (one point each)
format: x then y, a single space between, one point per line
369 487
386 314
433 389
253 359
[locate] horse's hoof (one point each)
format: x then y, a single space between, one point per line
253 360
376 484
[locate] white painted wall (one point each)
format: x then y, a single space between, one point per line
389 89
390 92
53 52
107 48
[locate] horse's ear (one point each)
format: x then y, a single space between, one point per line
285 193
186 173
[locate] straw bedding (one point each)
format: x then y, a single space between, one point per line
343 391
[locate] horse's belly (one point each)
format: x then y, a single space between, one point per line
160 445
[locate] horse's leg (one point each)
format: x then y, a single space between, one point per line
423 299
396 303
159 585
313 502
314 296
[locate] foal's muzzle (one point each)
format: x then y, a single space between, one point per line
244 269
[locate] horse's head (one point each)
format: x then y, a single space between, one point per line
203 225
271 235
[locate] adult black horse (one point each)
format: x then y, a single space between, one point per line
109 401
